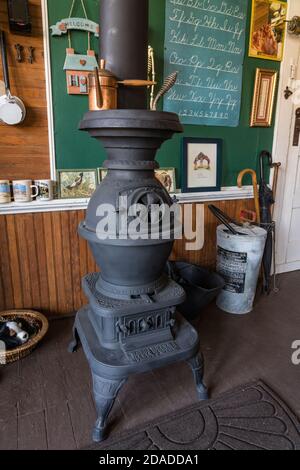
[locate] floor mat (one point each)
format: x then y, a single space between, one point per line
251 417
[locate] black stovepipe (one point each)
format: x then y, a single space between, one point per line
124 46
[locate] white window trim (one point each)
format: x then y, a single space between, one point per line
49 96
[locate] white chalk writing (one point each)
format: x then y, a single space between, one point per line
206 21
208 84
205 43
212 7
212 99
211 43
196 63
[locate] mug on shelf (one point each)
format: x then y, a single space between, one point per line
5 195
45 190
22 190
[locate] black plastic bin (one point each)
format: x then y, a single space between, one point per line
201 286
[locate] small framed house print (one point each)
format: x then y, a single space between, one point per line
78 67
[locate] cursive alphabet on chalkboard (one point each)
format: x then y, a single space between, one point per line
205 42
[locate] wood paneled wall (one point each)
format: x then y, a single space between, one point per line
24 149
42 259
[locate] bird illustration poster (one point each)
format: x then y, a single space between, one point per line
202 164
202 167
77 183
167 177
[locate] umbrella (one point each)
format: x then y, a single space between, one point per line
266 199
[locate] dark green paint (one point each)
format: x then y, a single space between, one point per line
241 145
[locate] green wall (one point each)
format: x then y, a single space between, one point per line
75 149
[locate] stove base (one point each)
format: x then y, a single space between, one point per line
111 368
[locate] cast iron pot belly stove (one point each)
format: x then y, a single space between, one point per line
131 324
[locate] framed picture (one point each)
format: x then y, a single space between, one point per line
202 165
167 177
268 27
76 183
263 98
102 172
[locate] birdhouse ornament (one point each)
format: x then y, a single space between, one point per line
78 66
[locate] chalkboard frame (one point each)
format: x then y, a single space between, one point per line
184 184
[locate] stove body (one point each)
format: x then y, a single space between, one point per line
131 324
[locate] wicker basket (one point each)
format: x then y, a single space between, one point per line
35 319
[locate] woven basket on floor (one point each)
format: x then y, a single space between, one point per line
35 319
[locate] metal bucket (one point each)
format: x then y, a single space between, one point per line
201 286
239 260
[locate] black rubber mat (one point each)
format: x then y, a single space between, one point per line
251 417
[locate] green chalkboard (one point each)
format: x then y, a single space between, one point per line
205 43
241 144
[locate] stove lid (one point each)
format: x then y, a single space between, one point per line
122 119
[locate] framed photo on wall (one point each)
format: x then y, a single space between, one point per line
201 165
76 183
167 177
268 27
263 98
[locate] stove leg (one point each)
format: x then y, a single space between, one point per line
105 393
196 363
73 346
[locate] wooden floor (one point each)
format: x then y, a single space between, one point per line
46 401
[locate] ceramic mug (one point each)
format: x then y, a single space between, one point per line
5 196
22 190
45 190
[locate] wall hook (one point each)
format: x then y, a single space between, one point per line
19 48
31 54
288 93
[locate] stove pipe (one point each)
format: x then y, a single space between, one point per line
124 46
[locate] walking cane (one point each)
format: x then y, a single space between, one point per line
276 167
255 189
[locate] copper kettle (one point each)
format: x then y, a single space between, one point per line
103 88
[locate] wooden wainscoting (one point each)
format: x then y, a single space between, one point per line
42 259
24 149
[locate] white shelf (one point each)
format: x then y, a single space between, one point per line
226 194
58 205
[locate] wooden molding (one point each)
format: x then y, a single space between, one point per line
61 205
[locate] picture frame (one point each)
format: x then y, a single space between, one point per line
76 184
263 98
167 177
268 29
201 165
101 173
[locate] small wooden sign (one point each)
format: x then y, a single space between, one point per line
80 24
